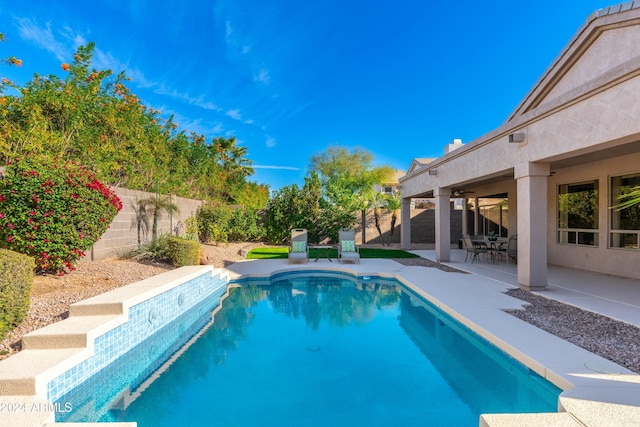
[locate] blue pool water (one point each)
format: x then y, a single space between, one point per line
318 351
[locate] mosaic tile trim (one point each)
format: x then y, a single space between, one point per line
110 389
145 319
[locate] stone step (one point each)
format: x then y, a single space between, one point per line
73 332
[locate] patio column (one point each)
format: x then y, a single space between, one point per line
405 223
532 224
442 196
476 216
465 215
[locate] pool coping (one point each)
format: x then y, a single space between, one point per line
596 391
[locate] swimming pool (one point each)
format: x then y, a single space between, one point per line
317 349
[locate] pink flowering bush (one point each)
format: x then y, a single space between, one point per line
53 211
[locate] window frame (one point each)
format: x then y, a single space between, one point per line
617 231
578 236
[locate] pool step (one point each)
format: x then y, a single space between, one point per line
28 372
74 332
118 300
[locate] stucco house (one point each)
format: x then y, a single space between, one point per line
558 163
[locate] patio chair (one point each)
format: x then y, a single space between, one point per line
299 247
508 251
512 249
347 249
474 248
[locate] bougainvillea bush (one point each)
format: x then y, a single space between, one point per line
53 211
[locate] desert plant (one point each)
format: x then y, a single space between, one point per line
53 211
183 252
16 279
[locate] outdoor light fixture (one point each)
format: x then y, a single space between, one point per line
517 137
458 193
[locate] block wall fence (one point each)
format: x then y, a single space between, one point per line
423 227
122 235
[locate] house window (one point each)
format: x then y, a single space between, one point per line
578 213
625 223
493 216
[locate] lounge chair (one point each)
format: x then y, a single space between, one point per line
347 249
473 248
299 247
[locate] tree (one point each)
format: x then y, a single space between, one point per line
376 202
90 116
156 206
346 178
353 169
294 207
393 203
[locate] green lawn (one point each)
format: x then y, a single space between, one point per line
281 252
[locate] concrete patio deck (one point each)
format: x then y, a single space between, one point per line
612 296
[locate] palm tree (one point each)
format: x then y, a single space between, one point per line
376 202
629 199
156 206
232 157
393 203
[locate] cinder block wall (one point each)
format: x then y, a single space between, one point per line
423 228
122 235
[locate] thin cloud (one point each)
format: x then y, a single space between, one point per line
185 123
270 142
262 76
181 96
43 38
286 168
234 114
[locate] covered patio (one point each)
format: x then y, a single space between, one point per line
560 162
612 296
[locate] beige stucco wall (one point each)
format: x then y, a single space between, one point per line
601 258
603 120
611 49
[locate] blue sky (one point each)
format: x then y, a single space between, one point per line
289 78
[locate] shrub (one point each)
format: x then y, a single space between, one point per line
191 225
245 225
212 223
16 279
156 250
183 252
53 211
223 224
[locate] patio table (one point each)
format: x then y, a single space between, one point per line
318 248
492 246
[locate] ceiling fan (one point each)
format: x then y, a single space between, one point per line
459 192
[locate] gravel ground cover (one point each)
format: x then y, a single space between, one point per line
612 339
